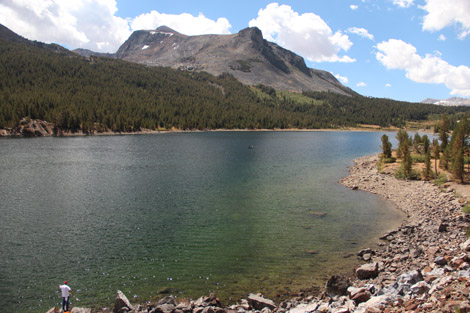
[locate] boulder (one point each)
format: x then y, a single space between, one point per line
440 260
362 296
367 271
442 227
365 251
122 304
204 301
304 307
404 282
257 302
465 246
167 300
80 310
337 285
375 304
420 288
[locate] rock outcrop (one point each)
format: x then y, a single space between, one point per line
29 128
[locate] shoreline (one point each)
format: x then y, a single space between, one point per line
423 265
38 128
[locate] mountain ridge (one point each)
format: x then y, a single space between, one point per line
453 101
246 55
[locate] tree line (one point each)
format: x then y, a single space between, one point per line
100 94
450 151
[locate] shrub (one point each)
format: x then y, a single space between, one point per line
389 160
418 158
441 179
401 174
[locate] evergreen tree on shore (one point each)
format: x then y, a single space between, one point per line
427 172
458 145
436 154
403 142
386 147
444 132
426 143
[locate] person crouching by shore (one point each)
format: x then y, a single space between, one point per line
65 290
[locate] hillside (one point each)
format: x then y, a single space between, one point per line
95 94
245 55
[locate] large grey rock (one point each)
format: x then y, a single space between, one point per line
257 302
337 285
403 284
375 304
420 288
369 270
122 304
465 246
205 301
304 307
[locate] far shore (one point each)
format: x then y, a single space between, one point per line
8 133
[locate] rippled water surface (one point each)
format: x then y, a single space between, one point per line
187 213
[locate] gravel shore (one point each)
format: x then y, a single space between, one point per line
423 266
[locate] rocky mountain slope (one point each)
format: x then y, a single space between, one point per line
245 55
454 101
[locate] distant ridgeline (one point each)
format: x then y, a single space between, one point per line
89 94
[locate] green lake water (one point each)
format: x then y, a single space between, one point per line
190 213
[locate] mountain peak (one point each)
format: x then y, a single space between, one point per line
245 55
166 29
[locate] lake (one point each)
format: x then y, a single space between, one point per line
184 213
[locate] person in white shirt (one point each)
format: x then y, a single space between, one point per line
65 290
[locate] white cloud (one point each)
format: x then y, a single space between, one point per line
388 85
361 84
92 24
444 13
442 37
342 79
306 34
361 32
354 7
403 3
184 23
431 69
78 23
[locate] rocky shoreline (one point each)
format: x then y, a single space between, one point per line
423 266
39 128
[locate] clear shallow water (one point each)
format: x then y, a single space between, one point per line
192 212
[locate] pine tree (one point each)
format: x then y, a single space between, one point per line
436 153
425 141
407 161
386 148
445 158
458 166
427 172
458 148
444 132
403 140
416 142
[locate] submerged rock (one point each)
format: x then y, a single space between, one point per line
338 285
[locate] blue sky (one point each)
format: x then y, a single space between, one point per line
400 49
